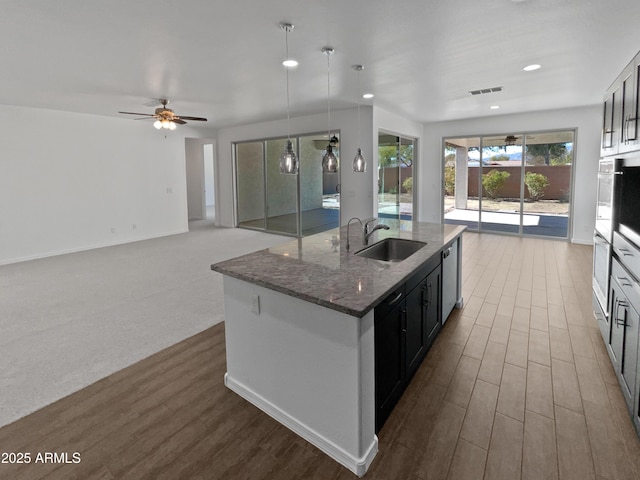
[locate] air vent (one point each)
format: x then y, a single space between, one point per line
485 90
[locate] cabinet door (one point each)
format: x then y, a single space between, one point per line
616 337
629 106
432 308
629 360
390 371
416 334
611 121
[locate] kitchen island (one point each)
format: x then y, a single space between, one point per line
300 323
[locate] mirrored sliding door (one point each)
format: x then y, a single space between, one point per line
298 205
281 192
250 185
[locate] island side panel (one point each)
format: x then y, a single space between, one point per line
309 367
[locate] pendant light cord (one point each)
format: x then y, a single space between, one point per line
329 52
287 72
359 143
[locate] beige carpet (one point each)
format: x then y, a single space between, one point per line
70 320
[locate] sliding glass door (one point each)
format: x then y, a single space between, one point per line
519 183
281 192
395 176
501 172
298 205
251 185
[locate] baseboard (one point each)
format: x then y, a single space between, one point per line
85 248
582 241
359 466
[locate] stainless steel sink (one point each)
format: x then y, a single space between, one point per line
391 249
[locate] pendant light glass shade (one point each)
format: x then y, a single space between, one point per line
288 160
359 163
329 161
289 164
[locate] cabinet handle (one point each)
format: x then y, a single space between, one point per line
446 252
624 281
426 289
398 297
634 130
622 322
403 324
626 252
625 134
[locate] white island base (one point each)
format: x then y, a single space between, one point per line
309 367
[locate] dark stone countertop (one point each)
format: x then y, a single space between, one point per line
318 268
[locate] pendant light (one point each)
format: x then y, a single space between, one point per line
329 160
289 163
359 162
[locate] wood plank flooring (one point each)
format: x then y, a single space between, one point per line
517 386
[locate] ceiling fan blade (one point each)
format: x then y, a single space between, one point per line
146 118
193 119
135 113
178 121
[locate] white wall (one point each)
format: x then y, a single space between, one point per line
356 192
587 153
72 182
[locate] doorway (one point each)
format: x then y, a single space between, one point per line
209 182
518 183
200 179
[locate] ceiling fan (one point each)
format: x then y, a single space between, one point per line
165 117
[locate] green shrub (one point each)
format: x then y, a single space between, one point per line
450 180
393 190
536 183
408 184
493 181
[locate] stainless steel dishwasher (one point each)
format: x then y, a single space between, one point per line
449 279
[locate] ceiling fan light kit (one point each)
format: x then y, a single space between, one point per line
165 117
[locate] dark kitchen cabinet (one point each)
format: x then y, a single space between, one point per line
630 103
423 320
405 325
611 121
390 365
621 109
623 343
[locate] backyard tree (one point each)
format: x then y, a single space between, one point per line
536 183
547 154
493 181
407 185
450 179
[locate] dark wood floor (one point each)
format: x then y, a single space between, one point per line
517 385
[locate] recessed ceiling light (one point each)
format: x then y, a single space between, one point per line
532 67
367 95
494 107
290 63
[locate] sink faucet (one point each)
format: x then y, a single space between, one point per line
348 223
367 232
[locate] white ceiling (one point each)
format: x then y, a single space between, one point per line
221 59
